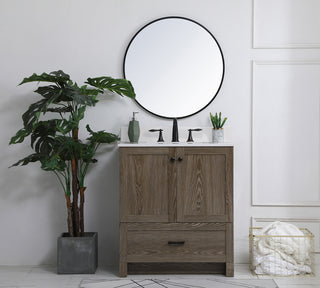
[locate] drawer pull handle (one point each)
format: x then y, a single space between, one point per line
175 243
172 159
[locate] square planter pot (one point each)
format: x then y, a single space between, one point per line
77 255
218 135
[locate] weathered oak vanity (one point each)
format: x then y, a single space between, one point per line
176 208
176 200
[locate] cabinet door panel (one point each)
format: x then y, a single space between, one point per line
144 185
204 190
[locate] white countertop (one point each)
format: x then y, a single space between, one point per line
201 139
179 144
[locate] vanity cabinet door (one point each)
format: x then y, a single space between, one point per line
204 184
146 189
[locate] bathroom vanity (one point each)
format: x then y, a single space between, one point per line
176 208
176 200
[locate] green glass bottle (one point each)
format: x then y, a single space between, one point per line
134 129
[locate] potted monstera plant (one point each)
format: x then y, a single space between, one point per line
52 125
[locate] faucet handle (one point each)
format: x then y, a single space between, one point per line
160 139
190 134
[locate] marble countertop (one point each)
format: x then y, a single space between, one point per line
148 139
178 144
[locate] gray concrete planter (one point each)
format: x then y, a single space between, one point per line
77 255
217 135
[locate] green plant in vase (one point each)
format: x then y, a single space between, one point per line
217 124
217 121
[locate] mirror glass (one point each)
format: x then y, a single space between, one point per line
175 65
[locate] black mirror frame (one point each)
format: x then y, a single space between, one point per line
223 65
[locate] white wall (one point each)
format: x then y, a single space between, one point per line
89 38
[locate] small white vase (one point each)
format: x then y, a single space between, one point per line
217 135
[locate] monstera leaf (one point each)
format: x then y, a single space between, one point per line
54 77
53 163
19 137
64 109
122 87
64 147
53 93
42 138
86 153
101 136
29 159
32 115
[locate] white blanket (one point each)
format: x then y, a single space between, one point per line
281 255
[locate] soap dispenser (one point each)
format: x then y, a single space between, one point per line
134 129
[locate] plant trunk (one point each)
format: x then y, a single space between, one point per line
75 189
75 209
82 189
69 220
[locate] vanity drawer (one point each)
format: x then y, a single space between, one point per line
176 246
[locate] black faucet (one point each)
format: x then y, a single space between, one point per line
175 135
190 139
160 139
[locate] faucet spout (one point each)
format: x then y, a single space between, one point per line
175 134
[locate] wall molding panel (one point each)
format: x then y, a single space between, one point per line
285 133
286 24
312 224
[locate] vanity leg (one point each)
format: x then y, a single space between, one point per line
123 271
123 265
229 252
229 270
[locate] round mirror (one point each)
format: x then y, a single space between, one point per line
175 65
